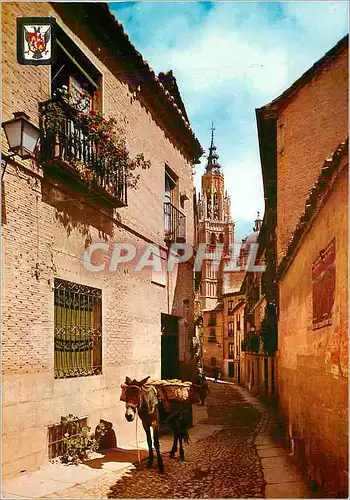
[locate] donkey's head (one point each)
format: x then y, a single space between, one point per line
133 397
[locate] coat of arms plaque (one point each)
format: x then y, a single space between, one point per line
36 40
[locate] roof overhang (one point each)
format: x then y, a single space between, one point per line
103 33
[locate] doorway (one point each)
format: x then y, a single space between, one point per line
231 369
169 347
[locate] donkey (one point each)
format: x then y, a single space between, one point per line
178 425
144 400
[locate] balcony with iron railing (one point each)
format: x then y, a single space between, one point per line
67 147
174 224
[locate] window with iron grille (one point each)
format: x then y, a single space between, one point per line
78 330
57 438
230 328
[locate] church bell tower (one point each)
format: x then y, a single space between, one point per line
215 224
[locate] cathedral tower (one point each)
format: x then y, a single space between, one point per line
215 225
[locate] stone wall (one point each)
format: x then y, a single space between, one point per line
313 363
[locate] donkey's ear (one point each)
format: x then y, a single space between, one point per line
143 381
128 381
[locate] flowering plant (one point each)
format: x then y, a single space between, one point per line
111 151
103 139
77 442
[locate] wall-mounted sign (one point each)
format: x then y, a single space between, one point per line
36 40
323 287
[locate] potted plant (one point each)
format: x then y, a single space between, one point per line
108 159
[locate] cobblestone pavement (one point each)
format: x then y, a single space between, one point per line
224 465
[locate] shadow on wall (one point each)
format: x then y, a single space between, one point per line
183 306
76 214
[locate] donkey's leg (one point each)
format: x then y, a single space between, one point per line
157 447
149 442
182 453
174 448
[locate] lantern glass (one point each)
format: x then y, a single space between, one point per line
30 136
21 135
13 130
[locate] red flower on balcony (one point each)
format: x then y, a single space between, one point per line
100 152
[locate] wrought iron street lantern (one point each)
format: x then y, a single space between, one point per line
22 136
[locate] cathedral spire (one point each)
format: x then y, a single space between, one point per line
258 223
212 156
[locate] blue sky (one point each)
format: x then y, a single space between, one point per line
230 58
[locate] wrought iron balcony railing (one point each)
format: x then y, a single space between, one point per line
174 224
65 144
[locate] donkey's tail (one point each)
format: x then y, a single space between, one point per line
186 436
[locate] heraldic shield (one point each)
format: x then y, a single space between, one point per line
36 40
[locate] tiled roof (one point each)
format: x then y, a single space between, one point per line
234 281
219 306
329 172
164 94
139 75
170 84
238 305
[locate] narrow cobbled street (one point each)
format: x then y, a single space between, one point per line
224 465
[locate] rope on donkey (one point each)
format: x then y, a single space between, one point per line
137 442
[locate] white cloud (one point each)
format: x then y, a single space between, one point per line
229 60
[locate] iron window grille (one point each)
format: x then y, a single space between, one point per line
174 224
57 445
78 330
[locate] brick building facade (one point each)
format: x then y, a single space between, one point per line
140 323
233 317
303 150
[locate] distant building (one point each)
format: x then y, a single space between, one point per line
304 155
215 229
233 322
215 225
258 373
